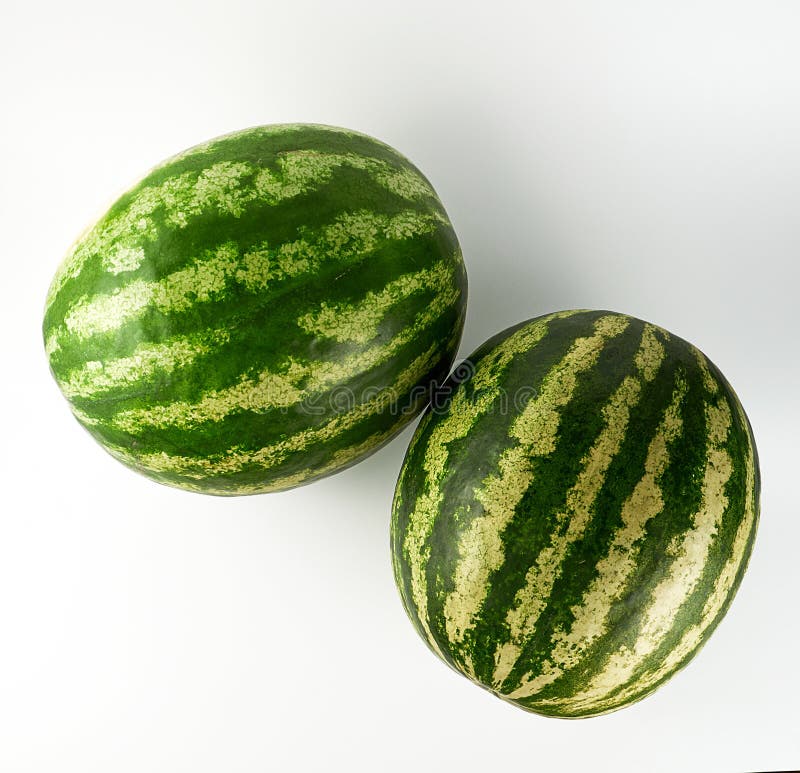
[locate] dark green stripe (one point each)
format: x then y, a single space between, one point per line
687 453
413 479
691 612
249 431
261 322
347 190
477 456
534 522
163 258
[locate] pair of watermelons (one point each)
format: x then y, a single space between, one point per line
577 505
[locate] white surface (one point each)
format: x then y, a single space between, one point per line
637 156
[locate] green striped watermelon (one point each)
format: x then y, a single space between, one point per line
259 311
572 522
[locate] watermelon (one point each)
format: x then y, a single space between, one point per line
259 311
575 512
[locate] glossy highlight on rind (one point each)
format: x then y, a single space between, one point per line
259 311
572 524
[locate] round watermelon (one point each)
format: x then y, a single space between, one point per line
575 512
259 311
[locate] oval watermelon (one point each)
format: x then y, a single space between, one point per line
573 519
259 311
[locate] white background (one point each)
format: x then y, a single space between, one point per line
636 156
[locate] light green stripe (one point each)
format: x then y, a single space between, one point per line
83 417
223 187
254 132
146 361
480 547
573 521
464 411
590 617
269 456
359 322
693 636
689 553
349 237
269 389
234 461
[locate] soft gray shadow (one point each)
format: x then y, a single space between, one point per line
373 480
